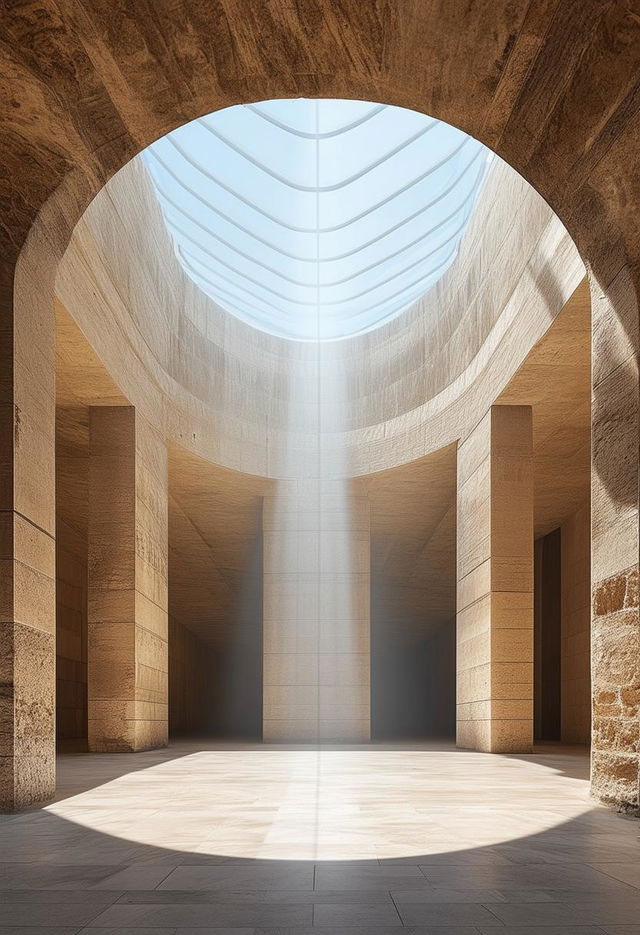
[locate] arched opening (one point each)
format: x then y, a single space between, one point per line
420 837
264 413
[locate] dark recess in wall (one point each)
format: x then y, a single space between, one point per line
547 637
413 683
218 693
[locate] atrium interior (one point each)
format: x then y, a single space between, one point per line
319 469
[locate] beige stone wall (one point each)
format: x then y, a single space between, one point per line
495 583
615 543
127 618
316 673
27 530
576 627
409 388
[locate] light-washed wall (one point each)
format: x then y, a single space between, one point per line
236 396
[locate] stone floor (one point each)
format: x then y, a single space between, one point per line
252 840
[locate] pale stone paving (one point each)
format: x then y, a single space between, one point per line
266 840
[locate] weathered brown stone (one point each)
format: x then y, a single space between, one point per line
630 698
606 704
631 593
615 655
615 779
27 716
616 733
609 596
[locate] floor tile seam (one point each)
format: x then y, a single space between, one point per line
496 917
395 906
99 913
609 876
158 885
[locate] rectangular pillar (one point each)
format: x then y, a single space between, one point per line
27 537
316 671
495 583
615 543
127 583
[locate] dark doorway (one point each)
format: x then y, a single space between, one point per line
412 680
548 637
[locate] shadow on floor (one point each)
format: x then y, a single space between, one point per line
454 831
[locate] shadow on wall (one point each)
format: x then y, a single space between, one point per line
237 703
217 692
413 683
614 415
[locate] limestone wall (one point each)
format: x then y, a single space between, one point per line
223 390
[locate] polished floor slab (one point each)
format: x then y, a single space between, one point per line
268 840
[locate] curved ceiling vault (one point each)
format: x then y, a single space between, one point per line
316 219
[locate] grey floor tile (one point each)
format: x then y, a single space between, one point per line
254 876
218 915
444 913
365 930
135 877
627 872
539 930
91 930
216 931
88 899
259 897
593 913
373 878
40 930
441 894
14 915
356 914
42 876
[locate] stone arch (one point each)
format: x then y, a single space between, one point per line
88 86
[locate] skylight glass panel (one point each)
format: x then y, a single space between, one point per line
316 219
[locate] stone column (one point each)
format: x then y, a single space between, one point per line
495 584
316 614
127 583
615 543
27 538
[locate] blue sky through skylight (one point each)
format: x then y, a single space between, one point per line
316 219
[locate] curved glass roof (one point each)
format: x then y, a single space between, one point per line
316 219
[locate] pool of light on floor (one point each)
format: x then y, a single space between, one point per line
359 803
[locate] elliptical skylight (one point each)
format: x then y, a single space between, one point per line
316 219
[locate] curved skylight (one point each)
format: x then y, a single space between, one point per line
316 219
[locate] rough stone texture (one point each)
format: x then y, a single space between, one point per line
27 545
615 625
616 689
28 716
127 616
495 584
